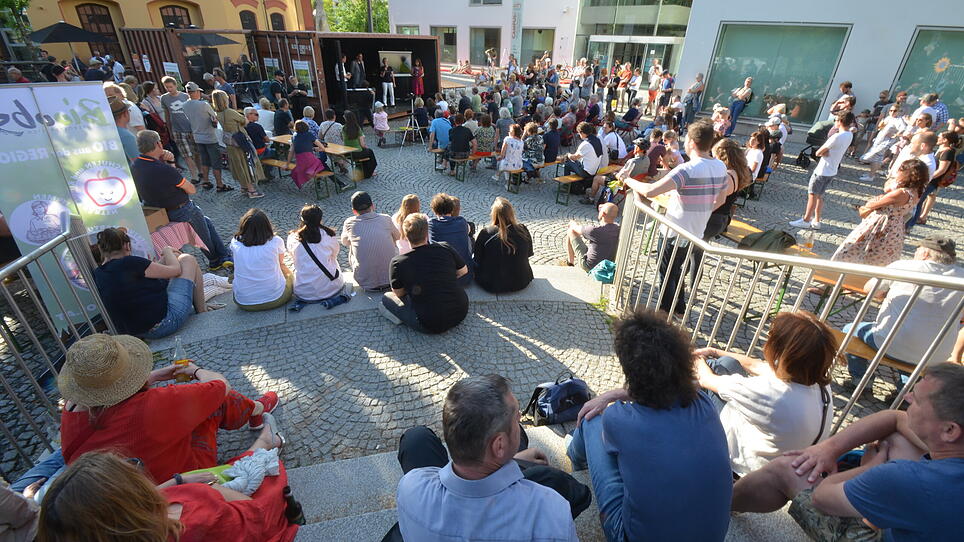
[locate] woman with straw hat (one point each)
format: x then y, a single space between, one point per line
111 404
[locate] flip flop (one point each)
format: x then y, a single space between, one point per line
207 185
225 188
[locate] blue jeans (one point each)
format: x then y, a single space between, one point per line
723 366
857 365
587 450
180 307
928 190
45 470
735 109
216 252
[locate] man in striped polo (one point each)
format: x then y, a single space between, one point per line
695 189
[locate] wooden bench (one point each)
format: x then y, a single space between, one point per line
564 187
863 350
437 157
514 181
559 161
320 178
737 230
280 164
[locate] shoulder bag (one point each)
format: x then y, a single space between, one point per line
337 271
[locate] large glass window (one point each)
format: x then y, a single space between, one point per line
447 43
936 64
535 42
408 30
482 39
789 64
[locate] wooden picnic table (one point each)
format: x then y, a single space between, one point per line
330 148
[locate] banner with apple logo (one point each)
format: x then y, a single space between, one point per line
60 154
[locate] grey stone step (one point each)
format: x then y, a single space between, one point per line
550 283
354 499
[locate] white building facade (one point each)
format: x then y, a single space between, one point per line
467 28
798 54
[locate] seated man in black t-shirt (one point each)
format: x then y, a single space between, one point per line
425 292
461 143
160 184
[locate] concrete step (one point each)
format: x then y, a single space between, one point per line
550 283
354 499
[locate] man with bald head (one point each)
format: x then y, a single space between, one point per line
586 246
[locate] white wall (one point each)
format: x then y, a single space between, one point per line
872 56
560 15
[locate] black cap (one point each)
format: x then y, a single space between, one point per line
279 72
361 201
939 242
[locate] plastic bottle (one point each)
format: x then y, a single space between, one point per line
180 359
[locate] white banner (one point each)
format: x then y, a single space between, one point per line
517 31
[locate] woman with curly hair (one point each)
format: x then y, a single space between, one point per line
738 178
879 238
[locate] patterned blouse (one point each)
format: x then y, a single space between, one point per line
485 138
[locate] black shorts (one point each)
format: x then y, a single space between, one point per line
664 99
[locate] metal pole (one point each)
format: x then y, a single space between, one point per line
371 23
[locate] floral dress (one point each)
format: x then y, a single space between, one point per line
485 139
513 155
879 238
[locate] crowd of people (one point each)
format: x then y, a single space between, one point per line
762 425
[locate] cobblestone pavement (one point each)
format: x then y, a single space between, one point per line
347 400
351 384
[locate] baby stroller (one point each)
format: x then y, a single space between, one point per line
816 136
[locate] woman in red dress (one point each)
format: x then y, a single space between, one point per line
418 76
102 497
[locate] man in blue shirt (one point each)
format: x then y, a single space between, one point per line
657 456
438 132
489 490
453 230
910 481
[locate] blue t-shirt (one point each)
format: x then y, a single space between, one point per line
129 143
303 142
441 128
912 500
675 467
453 230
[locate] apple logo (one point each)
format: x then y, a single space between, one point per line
105 190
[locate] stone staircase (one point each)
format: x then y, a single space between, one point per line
353 500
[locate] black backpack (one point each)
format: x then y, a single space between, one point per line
768 241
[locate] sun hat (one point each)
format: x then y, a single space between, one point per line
940 243
117 105
103 370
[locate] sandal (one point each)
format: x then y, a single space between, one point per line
272 424
255 194
225 188
207 185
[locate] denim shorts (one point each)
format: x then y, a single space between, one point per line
210 155
818 184
180 307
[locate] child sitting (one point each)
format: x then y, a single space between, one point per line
721 119
381 123
302 153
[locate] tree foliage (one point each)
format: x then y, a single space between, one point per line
352 15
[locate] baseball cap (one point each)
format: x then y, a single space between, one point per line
640 142
279 72
191 86
361 201
379 104
773 121
207 76
939 242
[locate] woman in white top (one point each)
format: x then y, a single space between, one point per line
778 404
318 279
266 116
261 279
754 152
410 204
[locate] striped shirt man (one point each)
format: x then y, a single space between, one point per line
699 183
370 237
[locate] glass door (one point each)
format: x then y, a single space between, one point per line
481 40
447 43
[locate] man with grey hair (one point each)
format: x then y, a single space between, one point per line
14 75
489 489
692 99
935 254
908 481
517 103
160 184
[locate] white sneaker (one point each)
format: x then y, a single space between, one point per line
815 225
801 223
866 177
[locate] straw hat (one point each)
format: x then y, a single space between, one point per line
103 370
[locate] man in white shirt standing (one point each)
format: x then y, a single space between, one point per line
921 147
927 106
695 188
830 153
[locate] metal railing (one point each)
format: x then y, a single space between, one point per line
33 347
733 293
